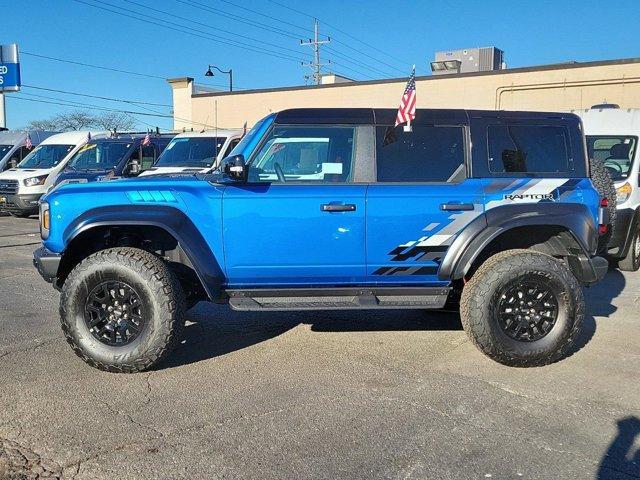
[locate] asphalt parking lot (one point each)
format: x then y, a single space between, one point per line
399 395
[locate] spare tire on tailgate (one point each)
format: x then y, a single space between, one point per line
603 182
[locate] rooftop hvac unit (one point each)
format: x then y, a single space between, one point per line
468 60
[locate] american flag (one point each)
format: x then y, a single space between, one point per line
147 140
407 108
28 143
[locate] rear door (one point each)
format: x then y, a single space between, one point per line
300 219
421 200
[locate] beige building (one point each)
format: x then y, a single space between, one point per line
557 87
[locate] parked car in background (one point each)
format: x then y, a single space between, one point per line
319 209
14 145
194 152
120 155
612 140
22 186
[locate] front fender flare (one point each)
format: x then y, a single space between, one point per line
170 219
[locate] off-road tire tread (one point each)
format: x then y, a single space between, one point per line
166 287
478 291
603 183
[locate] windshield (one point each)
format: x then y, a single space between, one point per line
197 152
46 156
248 139
99 156
615 151
4 149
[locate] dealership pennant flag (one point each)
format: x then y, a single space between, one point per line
407 108
147 140
28 142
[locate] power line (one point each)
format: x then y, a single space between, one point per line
134 102
166 24
348 35
164 12
316 65
101 67
286 33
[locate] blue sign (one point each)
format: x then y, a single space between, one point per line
9 77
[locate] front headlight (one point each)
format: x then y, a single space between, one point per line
622 193
45 220
33 181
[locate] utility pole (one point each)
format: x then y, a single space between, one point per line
315 43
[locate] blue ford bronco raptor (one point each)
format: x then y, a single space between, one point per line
319 209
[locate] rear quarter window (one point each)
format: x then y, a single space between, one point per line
537 149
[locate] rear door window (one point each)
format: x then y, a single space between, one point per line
529 149
426 154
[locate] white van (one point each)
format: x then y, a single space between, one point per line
612 137
194 152
22 186
13 145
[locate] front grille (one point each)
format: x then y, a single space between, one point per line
9 187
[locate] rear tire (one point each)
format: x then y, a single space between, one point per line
631 263
513 280
122 310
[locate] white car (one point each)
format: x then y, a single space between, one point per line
22 186
14 148
612 137
194 152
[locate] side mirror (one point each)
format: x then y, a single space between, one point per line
235 167
134 168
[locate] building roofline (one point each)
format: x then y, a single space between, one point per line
507 71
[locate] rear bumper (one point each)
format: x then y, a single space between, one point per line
47 263
18 203
619 242
588 270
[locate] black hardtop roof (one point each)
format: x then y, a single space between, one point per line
386 116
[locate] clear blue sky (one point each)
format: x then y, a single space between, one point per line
401 32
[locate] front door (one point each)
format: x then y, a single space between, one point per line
300 219
421 200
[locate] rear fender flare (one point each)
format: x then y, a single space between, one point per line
574 217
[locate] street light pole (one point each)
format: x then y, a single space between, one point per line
209 73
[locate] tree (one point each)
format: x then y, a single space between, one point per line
75 120
83 120
115 120
42 125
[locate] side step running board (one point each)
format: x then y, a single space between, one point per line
338 298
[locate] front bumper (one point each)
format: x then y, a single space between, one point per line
19 203
47 263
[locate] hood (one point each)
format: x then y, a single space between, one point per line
90 176
165 170
22 173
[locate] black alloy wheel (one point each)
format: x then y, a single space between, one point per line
114 313
527 309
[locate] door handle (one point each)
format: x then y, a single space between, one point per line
452 206
338 207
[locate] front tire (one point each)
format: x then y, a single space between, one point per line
122 310
522 308
631 263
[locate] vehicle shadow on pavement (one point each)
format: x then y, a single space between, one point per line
600 296
214 330
622 458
